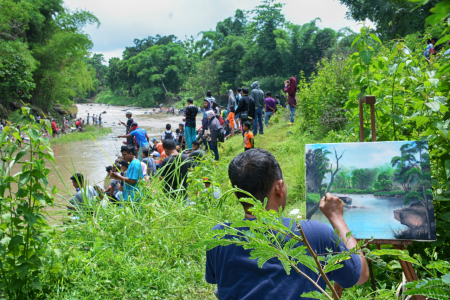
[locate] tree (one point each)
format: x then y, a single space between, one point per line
358 178
392 18
384 183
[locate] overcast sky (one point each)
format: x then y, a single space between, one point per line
123 21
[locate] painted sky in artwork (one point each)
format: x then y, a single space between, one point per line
362 155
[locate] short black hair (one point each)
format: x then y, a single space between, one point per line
268 94
78 177
245 91
434 39
127 149
196 143
239 89
124 163
178 130
169 145
247 124
147 152
109 169
208 93
190 100
168 126
254 171
277 96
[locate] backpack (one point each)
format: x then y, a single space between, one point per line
168 135
221 136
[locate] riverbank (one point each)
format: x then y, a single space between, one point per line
95 132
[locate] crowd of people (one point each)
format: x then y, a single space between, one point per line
255 171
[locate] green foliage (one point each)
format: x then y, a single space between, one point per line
22 224
43 52
90 132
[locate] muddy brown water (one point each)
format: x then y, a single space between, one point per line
89 159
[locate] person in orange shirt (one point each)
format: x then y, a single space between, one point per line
230 118
248 136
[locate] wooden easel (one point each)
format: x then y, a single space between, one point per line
407 267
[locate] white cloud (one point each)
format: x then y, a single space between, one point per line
122 22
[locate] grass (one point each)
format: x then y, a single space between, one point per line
109 97
94 131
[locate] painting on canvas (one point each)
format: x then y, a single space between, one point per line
385 187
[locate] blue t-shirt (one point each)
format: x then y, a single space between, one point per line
239 277
140 135
134 172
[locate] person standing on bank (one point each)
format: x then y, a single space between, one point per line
134 174
258 96
271 107
141 137
231 101
189 130
215 129
246 107
130 140
290 87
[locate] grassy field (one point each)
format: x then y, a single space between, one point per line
94 131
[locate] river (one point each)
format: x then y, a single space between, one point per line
376 219
87 158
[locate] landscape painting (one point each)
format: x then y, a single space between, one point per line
385 187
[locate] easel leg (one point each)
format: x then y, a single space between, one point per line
408 270
338 289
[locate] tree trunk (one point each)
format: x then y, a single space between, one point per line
427 212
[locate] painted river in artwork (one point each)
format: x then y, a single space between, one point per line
376 219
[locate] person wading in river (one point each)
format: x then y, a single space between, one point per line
134 174
130 140
141 137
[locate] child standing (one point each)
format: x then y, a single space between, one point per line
248 136
230 119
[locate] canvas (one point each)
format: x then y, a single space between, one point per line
385 187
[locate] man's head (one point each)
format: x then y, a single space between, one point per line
77 180
239 90
277 97
168 126
134 125
128 114
195 145
245 91
434 40
208 93
155 141
246 126
257 172
181 126
207 182
169 146
268 94
190 101
146 153
124 165
127 153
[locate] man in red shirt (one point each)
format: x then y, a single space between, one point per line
54 128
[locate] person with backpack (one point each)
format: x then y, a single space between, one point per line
246 107
258 96
168 134
216 132
290 87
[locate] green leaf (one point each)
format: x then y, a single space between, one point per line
366 56
355 41
24 179
31 219
16 240
420 120
434 106
20 155
443 40
375 38
23 270
434 82
435 18
392 69
446 278
33 134
447 168
54 190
